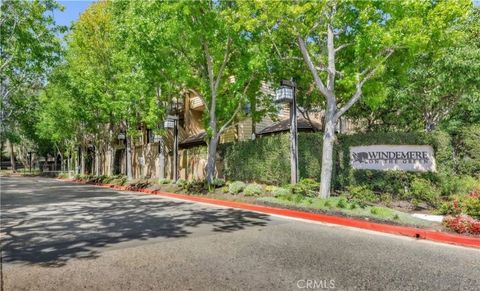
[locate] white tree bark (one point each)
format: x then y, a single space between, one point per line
82 160
332 114
128 153
214 82
12 158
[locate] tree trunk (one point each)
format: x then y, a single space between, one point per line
294 176
82 160
128 162
211 160
111 166
62 163
97 161
12 158
327 155
161 159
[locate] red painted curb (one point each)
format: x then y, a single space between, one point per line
350 222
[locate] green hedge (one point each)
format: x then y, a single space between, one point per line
467 150
267 159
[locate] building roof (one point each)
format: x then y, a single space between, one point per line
284 125
193 140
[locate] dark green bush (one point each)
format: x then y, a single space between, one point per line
196 186
266 159
342 203
181 183
120 180
461 185
218 183
467 149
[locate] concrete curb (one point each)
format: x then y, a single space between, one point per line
414 232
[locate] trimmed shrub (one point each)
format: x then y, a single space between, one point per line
217 183
306 187
469 205
460 185
224 189
165 181
266 159
236 187
196 186
280 192
252 190
63 175
138 184
342 203
424 190
119 180
361 195
181 183
269 188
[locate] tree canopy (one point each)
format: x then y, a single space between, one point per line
393 65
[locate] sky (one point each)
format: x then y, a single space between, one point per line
72 11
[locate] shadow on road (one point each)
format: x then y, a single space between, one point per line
51 224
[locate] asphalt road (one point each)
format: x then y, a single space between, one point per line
64 236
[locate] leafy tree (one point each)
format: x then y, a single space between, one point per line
346 46
29 47
223 63
58 121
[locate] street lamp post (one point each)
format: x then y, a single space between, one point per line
171 121
30 161
286 94
79 160
123 136
161 155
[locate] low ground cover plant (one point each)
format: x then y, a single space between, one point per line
467 204
463 224
165 181
252 190
361 195
279 192
305 187
236 187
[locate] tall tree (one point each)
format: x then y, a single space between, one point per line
58 121
224 64
439 82
345 46
29 47
446 73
